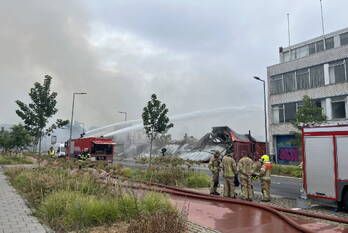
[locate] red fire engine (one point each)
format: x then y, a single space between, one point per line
98 148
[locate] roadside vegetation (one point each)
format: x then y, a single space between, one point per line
287 170
77 200
8 159
168 171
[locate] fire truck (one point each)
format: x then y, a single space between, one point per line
325 164
98 148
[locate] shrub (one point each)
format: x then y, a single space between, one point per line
153 202
287 170
198 180
73 210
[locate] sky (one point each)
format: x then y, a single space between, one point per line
195 55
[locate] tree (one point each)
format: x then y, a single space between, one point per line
20 137
308 114
155 119
5 140
37 113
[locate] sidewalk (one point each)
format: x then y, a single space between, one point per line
15 216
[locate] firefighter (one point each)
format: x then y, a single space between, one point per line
229 171
85 154
245 169
214 167
51 152
265 177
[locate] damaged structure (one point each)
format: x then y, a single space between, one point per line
222 139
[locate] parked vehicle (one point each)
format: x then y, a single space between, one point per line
97 148
60 150
325 164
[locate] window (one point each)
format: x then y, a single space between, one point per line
319 45
302 51
337 72
302 79
311 48
277 84
289 82
290 112
286 56
293 54
317 76
278 114
344 38
338 105
329 43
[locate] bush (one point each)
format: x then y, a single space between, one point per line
153 202
287 170
198 180
38 183
73 210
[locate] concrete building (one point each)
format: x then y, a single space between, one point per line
317 68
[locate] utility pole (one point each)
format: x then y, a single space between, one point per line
288 16
72 114
265 111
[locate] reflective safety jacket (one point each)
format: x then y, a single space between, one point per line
245 167
214 165
266 171
51 152
229 167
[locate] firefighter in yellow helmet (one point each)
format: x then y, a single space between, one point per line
265 177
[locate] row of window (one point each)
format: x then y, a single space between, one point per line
309 49
287 112
315 47
309 77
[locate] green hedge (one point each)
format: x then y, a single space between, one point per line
287 170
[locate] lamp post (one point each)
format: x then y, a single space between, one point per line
125 115
72 112
264 106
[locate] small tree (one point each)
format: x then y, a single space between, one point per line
21 137
6 142
308 114
36 114
155 119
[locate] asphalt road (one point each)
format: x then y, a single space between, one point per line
281 186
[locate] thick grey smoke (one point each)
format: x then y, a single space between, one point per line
194 55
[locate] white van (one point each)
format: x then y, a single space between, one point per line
60 150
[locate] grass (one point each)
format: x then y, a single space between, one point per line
287 170
14 159
74 200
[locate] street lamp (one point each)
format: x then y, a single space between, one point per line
125 115
264 106
72 112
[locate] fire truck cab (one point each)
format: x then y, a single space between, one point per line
98 148
325 164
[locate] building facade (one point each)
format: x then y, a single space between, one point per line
317 68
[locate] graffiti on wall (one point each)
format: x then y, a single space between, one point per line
289 154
